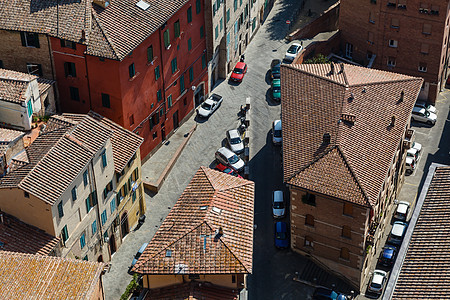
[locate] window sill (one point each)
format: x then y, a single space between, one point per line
346 238
344 259
134 77
152 62
350 216
310 226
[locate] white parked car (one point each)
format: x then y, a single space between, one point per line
377 281
209 105
292 52
235 141
276 132
402 211
410 165
413 153
429 107
422 115
228 158
417 146
278 205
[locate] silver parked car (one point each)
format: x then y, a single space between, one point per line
234 141
422 115
228 158
429 107
209 105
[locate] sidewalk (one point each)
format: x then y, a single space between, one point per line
158 166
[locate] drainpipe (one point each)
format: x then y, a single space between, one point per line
87 78
162 73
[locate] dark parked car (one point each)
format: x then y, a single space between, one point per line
397 233
275 69
281 235
387 256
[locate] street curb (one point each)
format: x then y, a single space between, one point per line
155 186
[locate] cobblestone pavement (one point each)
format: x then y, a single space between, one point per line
273 270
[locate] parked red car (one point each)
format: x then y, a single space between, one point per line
239 72
227 170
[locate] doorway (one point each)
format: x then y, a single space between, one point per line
100 258
163 132
176 123
124 224
112 244
198 95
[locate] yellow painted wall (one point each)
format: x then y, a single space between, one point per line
30 210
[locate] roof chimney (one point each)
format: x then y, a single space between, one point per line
392 121
219 234
332 68
342 67
402 94
102 3
326 138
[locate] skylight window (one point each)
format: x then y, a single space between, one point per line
142 5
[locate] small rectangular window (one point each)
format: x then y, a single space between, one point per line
347 231
131 70
395 23
150 53
113 205
60 209
309 199
424 48
309 220
203 61
65 234
26 194
345 254
74 93
393 43
422 67
105 101
370 37
74 193
69 68
191 74
235 5
68 44
221 24
131 119
169 101
104 217
202 32
401 4
228 15
166 38
161 112
216 31
34 69
85 178
104 161
198 6
88 204
391 61
182 88
392 3
371 17
189 14
174 65
159 95
426 29
189 42
309 242
94 227
176 28
133 196
82 241
29 39
434 10
348 209
157 73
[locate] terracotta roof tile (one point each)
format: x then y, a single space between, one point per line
425 272
18 236
193 291
357 117
13 85
27 276
212 200
112 32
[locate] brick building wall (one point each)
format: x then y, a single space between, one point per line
326 231
403 37
15 56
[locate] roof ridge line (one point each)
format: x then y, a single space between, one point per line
385 82
353 174
104 32
245 181
315 75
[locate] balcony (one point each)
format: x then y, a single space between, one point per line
409 139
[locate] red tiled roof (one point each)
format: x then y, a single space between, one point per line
18 236
355 107
13 85
28 276
112 32
212 200
193 291
425 271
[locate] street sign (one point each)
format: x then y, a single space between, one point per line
288 22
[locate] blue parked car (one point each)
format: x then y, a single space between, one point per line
138 254
281 235
387 256
326 294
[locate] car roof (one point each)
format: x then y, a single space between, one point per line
412 150
280 226
377 278
388 252
402 207
295 44
233 133
419 109
225 151
240 65
398 228
277 124
215 97
409 160
278 196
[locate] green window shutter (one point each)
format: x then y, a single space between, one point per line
176 28
82 241
221 24
113 205
202 32
88 204
189 15
182 88
228 15
235 4
198 6
131 70
169 101
104 161
29 108
105 101
174 65
191 74
74 193
203 61
157 74
60 210
189 44
150 54
166 38
65 233
159 95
